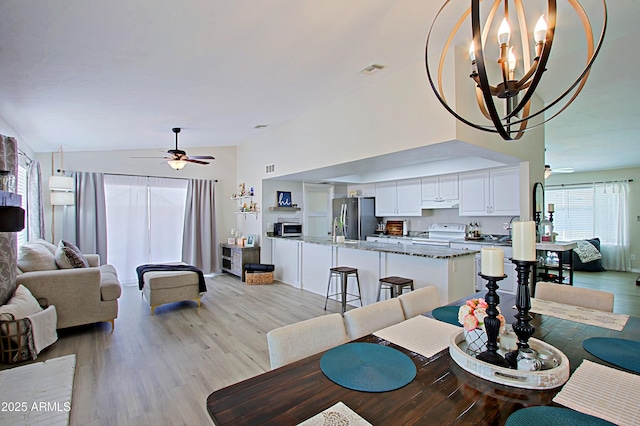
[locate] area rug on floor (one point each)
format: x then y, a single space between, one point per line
38 393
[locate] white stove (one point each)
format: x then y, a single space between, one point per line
440 234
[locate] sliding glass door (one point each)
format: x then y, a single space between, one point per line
145 219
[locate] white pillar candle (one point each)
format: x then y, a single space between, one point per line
551 208
524 240
538 209
492 262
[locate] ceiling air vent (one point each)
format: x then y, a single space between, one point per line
372 68
271 168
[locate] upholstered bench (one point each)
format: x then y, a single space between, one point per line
162 287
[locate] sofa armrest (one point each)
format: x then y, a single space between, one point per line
93 259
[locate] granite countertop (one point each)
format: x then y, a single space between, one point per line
484 242
435 252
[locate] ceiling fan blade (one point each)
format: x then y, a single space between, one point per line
190 160
148 157
202 157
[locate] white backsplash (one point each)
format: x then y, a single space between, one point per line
488 224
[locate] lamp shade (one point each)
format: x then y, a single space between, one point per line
61 183
59 198
11 219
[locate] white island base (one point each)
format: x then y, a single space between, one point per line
306 265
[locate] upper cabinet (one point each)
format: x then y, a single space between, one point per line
490 193
399 198
440 188
361 190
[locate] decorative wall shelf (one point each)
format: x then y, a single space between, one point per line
285 209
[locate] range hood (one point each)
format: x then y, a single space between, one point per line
441 204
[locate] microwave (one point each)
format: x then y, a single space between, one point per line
285 229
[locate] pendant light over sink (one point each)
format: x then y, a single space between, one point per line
516 75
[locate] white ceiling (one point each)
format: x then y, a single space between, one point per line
92 75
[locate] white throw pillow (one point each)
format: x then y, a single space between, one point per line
35 257
68 256
587 252
21 305
51 247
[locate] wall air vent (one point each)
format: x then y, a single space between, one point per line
271 168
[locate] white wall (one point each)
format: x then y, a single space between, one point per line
223 168
394 114
634 198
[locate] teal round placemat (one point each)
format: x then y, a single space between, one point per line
367 367
448 314
552 416
621 352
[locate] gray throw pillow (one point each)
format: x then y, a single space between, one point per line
69 256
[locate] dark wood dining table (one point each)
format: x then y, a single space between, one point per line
441 394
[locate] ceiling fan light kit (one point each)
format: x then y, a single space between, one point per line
178 158
515 88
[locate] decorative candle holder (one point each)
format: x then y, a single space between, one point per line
521 327
551 217
492 323
538 217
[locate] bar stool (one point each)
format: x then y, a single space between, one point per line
343 272
395 285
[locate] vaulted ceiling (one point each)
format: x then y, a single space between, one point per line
92 75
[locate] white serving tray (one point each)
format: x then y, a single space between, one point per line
544 379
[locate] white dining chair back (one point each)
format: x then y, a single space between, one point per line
374 317
305 338
576 296
419 301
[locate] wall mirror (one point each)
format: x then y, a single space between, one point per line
538 200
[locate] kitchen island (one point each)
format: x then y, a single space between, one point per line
304 262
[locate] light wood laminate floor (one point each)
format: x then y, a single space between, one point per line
159 370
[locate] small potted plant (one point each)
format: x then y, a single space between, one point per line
471 315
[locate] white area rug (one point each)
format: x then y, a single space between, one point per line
37 394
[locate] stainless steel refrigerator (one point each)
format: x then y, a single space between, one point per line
358 214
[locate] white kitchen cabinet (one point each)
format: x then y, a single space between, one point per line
362 190
490 193
286 257
439 188
398 198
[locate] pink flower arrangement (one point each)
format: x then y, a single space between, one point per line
472 314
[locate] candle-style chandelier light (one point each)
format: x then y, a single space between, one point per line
516 83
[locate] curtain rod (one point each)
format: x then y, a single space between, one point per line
147 176
21 152
590 183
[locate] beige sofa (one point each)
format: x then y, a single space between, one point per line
80 295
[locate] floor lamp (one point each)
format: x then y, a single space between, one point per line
61 188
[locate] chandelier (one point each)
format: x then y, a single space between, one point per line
516 75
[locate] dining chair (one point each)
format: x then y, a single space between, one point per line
419 301
374 317
576 296
305 338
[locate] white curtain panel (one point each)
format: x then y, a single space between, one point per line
167 199
611 224
144 221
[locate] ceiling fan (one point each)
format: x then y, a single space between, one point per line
548 170
178 158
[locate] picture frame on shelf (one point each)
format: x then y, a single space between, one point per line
284 198
251 240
